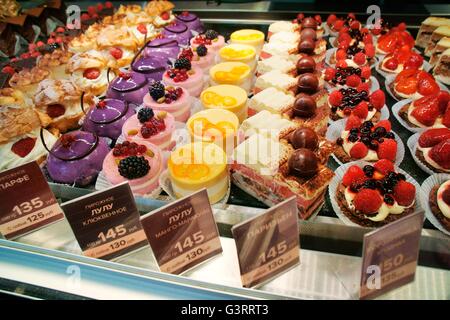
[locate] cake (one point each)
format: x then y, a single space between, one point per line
239 53
394 39
211 39
270 99
183 74
280 26
152 67
128 86
251 37
268 124
200 57
162 48
440 203
438 34
191 21
433 149
276 63
281 49
174 100
178 31
440 47
140 164
348 76
146 125
413 84
442 69
232 73
199 165
426 29
375 195
401 59
278 80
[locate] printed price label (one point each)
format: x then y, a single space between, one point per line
26 201
183 233
106 223
268 245
390 256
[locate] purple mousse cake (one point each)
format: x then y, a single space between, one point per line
107 117
151 67
191 21
178 31
77 158
128 86
163 48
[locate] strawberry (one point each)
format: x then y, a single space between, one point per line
426 110
355 25
335 98
117 53
338 24
366 72
363 86
387 149
165 16
375 31
91 73
377 99
331 18
341 64
391 64
432 137
404 193
369 50
359 150
55 110
367 201
353 81
341 54
360 58
385 124
318 18
108 4
427 85
414 61
384 166
446 117
361 110
99 7
443 100
329 74
23 146
353 174
91 10
142 28
440 153
8 69
352 122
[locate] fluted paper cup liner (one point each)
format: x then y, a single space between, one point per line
330 53
383 116
374 85
337 179
328 31
425 66
336 128
396 109
412 145
427 185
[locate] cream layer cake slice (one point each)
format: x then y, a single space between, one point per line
278 80
442 69
267 124
276 63
441 46
438 34
426 29
272 100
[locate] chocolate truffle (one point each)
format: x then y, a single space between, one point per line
308 33
304 138
306 46
307 83
304 106
309 23
306 64
303 163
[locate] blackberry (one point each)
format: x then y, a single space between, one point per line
202 50
389 135
368 171
373 145
182 63
388 199
370 184
381 131
157 90
211 34
145 114
354 131
353 138
340 141
133 167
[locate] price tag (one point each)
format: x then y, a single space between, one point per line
183 234
26 201
106 223
268 245
390 256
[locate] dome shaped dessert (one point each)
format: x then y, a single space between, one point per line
163 48
191 21
178 31
128 86
151 67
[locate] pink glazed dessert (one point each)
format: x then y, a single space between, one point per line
199 57
174 100
154 127
211 39
183 74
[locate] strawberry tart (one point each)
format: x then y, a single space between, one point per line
395 38
183 74
433 149
401 59
413 84
439 200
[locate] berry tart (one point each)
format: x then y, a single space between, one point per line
162 48
178 31
412 84
358 102
199 57
394 39
211 39
373 195
353 55
183 74
354 35
365 141
433 149
401 59
128 86
148 126
174 100
336 24
344 75
138 163
192 21
251 37
438 199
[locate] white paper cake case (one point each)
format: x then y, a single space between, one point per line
426 66
331 51
336 128
396 109
337 179
412 143
374 85
427 185
391 78
383 116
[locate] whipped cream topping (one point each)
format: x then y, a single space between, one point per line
160 21
444 207
84 83
347 145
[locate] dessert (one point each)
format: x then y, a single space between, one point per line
314 23
433 149
82 43
401 59
348 76
184 75
162 48
426 29
227 97
442 69
76 158
107 117
413 84
251 37
196 166
375 195
276 63
128 86
354 55
350 101
278 80
191 21
146 125
27 80
440 47
200 57
233 73
177 31
174 100
138 163
366 141
280 26
239 53
162 11
211 39
267 124
281 49
428 111
55 62
270 99
438 34
440 203
152 68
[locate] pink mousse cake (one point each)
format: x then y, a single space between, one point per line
138 163
150 126
174 100
184 75
211 39
200 57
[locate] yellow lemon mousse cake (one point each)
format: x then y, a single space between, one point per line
227 97
199 165
251 37
239 53
234 73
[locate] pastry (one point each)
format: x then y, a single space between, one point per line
426 29
140 164
233 73
278 80
254 38
413 84
83 42
200 57
152 67
276 63
162 48
161 10
239 53
211 39
442 69
174 100
433 149
366 141
401 59
198 165
56 62
375 195
440 203
128 86
348 76
438 34
440 47
183 74
27 80
191 21
178 31
154 127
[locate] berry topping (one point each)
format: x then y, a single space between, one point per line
142 28
446 117
359 150
331 18
360 58
60 30
329 74
384 166
426 110
101 104
128 148
117 53
440 154
365 72
363 86
377 99
134 167
186 53
404 193
443 100
145 114
23 146
125 75
427 85
67 140
108 4
157 91
152 127
387 149
341 54
336 98
55 110
361 110
352 122
8 69
202 50
355 25
353 81
211 34
182 63
432 137
353 174
369 50
165 16
386 124
91 73
367 201
91 10
99 7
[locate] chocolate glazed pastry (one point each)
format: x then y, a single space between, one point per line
435 209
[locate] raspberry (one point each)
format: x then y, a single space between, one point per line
352 122
24 146
39 44
318 18
369 50
117 53
329 74
353 81
384 166
141 149
385 124
377 99
404 193
359 150
446 117
91 10
341 54
366 72
50 41
108 4
99 7
360 58
336 98
343 45
432 137
338 24
8 69
387 149
363 86
368 39
353 174
60 30
367 201
91 73
165 16
341 64
361 110
58 40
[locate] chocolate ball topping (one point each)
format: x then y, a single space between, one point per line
306 46
303 163
306 64
307 83
309 23
308 33
304 106
304 138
